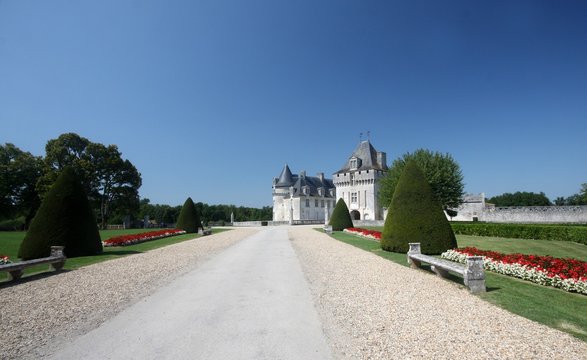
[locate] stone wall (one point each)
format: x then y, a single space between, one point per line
474 206
536 214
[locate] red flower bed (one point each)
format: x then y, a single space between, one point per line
4 260
372 234
125 240
564 268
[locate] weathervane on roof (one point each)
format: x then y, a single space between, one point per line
368 136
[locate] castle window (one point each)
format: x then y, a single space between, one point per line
316 203
322 203
307 202
353 163
354 198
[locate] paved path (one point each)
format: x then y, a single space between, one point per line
249 302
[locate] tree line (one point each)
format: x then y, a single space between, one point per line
111 182
523 198
217 214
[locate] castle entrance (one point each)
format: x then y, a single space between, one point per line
355 215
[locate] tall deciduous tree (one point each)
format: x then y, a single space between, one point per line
442 172
111 182
19 173
577 199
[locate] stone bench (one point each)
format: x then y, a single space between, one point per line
56 259
472 272
204 232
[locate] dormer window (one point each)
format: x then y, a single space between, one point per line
355 163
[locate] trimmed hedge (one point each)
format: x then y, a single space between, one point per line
340 218
524 231
415 216
65 218
188 219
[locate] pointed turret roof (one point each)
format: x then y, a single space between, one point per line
285 178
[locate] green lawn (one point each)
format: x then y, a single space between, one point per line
560 249
10 241
552 307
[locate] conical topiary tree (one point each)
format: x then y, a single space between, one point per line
416 216
188 219
64 218
341 218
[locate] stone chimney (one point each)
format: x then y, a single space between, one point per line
321 176
303 174
382 159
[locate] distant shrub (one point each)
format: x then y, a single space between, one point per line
340 218
524 231
64 218
188 219
13 224
415 216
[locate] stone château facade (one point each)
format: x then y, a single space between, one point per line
302 198
357 182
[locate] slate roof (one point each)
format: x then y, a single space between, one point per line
313 183
368 156
285 178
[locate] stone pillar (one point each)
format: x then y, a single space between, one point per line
231 218
57 251
414 249
326 214
291 190
475 274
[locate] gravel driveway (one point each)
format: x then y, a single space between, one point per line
372 308
37 317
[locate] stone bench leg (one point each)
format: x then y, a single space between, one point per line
14 275
439 271
414 249
58 265
475 274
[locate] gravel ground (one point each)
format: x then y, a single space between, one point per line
36 317
372 308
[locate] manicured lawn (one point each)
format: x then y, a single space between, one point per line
560 249
10 241
552 307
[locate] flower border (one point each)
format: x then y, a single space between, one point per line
4 260
369 234
126 240
566 274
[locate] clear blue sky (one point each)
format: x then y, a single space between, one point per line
210 99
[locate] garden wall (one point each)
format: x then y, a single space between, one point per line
536 215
